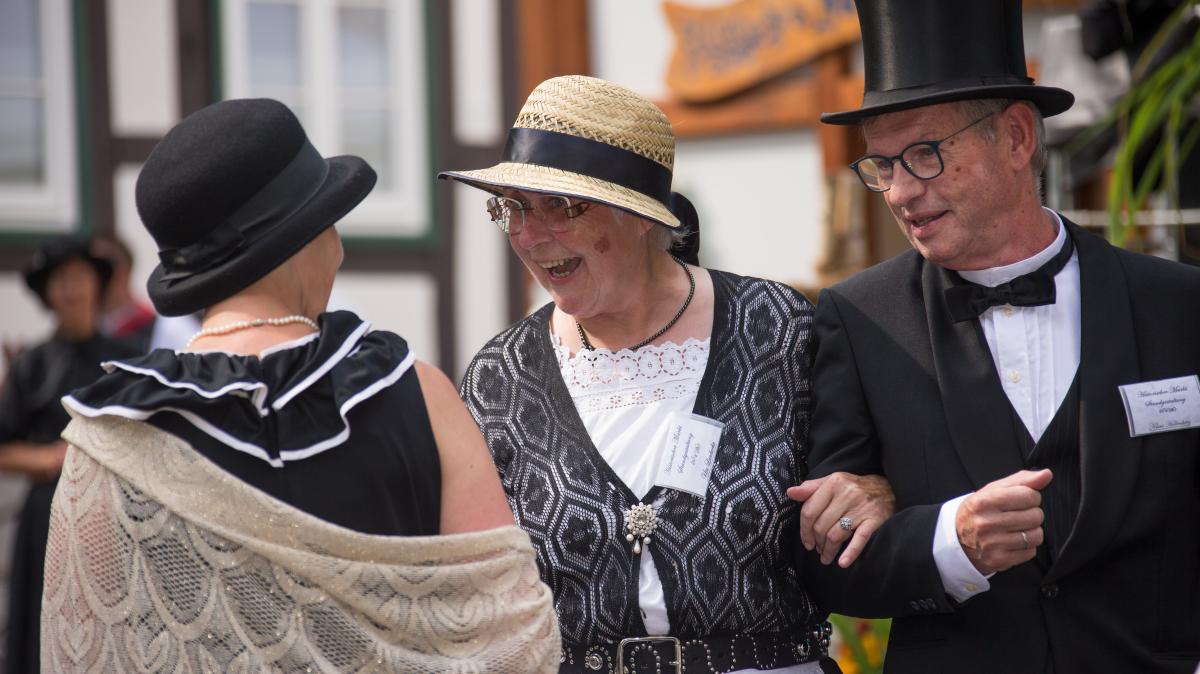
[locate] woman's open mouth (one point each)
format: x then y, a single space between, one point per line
560 269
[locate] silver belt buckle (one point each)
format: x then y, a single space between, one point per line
677 663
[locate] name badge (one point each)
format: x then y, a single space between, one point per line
687 460
1163 405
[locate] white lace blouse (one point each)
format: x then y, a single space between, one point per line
625 399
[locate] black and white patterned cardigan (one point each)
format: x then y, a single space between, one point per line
726 561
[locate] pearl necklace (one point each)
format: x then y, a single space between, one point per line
254 323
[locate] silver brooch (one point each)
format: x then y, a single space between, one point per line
640 521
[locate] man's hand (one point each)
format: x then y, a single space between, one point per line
1000 526
866 499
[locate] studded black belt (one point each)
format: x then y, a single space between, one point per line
708 655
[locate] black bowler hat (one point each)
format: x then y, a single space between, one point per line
52 255
231 193
921 52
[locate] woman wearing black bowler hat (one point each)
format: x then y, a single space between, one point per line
269 497
69 280
586 400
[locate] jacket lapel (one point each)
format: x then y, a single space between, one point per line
1108 358
977 411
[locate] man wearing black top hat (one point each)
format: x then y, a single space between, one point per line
1029 390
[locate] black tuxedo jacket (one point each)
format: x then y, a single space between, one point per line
902 390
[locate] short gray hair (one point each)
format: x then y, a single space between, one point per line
984 106
668 238
663 237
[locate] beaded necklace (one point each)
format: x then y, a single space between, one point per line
587 345
253 323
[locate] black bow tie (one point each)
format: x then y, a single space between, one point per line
970 300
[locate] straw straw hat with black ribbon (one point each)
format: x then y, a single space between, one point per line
587 138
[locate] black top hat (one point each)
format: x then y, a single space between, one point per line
50 256
231 193
921 52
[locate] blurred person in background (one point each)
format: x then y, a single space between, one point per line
126 315
270 497
70 281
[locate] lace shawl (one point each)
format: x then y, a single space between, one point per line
158 561
726 561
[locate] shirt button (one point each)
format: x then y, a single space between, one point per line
1008 311
1014 376
1050 591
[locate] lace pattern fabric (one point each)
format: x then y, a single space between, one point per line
727 561
160 562
602 380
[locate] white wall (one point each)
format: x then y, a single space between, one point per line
143 66
760 197
480 250
481 284
130 229
402 303
23 320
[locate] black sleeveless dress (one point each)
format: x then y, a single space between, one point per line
333 424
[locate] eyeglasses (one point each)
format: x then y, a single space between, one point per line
555 211
922 160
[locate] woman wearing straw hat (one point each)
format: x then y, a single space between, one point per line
648 421
267 498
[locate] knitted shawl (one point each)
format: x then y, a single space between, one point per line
159 561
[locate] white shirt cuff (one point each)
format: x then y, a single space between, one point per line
960 578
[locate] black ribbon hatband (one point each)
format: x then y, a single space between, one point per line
289 191
590 158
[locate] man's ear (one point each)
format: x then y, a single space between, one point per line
1017 129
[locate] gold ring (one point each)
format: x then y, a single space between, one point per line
1026 539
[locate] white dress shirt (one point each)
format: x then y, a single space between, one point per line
1036 352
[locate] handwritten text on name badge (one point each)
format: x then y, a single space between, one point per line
687 459
1163 405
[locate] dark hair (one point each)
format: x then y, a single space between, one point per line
58 252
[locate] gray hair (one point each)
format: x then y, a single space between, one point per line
667 238
661 236
984 106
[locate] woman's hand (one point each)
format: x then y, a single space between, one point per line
48 462
867 500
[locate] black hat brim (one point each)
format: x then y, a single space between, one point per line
349 181
1049 100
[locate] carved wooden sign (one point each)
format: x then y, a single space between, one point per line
721 51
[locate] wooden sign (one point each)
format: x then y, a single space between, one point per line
724 50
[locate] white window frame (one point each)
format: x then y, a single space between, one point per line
51 207
396 208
